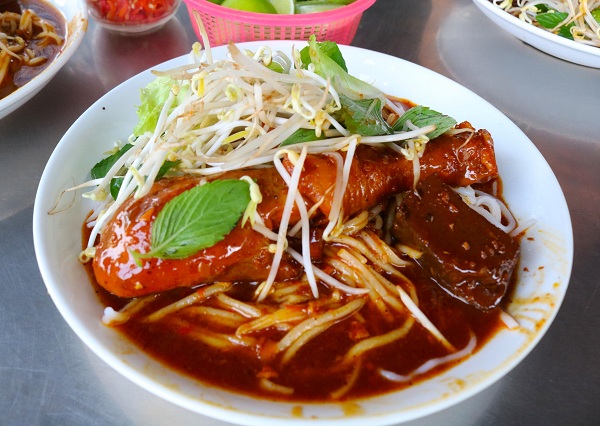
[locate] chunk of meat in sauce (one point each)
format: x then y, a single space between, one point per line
378 172
464 253
242 256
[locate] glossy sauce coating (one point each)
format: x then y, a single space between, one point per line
376 173
379 172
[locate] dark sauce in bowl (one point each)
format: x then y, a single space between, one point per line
19 73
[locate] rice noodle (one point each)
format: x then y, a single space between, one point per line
432 363
201 294
18 32
326 319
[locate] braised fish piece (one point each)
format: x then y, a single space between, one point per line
464 253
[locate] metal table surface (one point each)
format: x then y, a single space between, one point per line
49 377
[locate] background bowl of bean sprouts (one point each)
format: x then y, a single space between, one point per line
530 189
75 16
584 49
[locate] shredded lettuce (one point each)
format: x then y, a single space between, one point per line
152 98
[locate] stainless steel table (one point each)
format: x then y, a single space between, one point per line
48 377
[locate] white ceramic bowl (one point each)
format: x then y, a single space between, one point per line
76 17
531 190
543 40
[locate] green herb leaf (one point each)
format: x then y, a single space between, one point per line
596 14
364 117
551 19
422 116
116 182
565 31
330 49
197 219
344 83
302 135
102 167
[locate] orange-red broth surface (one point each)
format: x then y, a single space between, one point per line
314 373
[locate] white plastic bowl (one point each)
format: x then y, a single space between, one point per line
76 16
541 39
531 190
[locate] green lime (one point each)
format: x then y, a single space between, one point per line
284 7
258 6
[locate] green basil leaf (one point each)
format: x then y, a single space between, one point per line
565 31
102 167
116 182
115 186
302 135
167 165
364 117
550 19
422 116
330 48
197 219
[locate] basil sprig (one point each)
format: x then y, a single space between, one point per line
197 219
422 116
364 117
102 167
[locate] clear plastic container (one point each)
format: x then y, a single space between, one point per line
132 16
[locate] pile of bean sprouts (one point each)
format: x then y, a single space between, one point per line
586 28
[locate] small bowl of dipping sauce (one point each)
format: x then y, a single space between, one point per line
132 16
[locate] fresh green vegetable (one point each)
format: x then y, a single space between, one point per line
550 18
344 83
364 117
329 48
422 116
116 182
302 135
102 167
153 97
197 219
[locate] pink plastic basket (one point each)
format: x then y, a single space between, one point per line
224 25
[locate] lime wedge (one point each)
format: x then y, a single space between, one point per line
284 7
258 6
